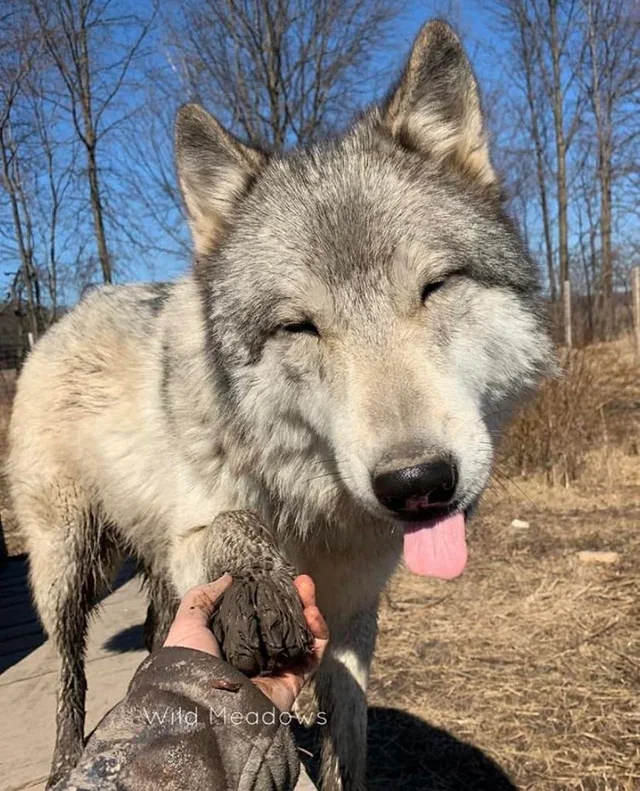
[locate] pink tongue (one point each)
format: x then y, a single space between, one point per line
437 548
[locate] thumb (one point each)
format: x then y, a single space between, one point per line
199 604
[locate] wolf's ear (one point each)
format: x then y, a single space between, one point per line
214 171
435 109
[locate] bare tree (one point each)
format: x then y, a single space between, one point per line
53 174
557 41
546 50
588 278
93 62
276 72
610 82
163 227
17 53
527 47
279 71
42 219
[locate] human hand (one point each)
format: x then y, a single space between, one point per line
190 629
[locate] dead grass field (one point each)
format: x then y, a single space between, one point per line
533 656
525 673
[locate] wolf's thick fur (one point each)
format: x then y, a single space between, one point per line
301 354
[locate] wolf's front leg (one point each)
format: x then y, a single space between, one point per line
341 695
260 624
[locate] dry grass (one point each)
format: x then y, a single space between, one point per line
525 673
592 404
532 656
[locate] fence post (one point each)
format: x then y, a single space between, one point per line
635 294
566 295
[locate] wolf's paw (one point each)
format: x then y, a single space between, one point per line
261 627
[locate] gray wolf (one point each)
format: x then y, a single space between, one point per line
360 318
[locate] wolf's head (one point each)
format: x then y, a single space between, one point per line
371 310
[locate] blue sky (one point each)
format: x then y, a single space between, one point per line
473 23
129 148
143 143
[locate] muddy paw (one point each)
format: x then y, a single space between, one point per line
260 626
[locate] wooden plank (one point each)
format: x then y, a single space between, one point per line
29 686
126 610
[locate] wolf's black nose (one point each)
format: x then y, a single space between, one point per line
413 489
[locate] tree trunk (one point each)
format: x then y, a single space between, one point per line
90 142
525 34
561 147
603 133
98 221
605 233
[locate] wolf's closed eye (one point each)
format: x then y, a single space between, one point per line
300 328
431 288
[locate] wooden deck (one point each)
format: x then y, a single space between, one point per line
28 671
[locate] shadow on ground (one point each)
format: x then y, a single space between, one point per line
407 754
20 629
130 639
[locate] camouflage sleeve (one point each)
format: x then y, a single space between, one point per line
188 720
